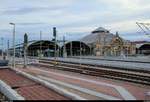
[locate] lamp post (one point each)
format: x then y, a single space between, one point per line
13 44
40 44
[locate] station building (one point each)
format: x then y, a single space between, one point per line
99 43
37 48
104 43
46 48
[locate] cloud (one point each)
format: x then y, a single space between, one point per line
76 17
30 24
26 10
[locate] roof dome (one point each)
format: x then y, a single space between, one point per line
99 35
100 30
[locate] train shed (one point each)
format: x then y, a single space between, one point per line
73 48
36 48
44 47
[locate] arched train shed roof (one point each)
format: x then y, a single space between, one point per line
140 45
145 47
44 44
85 49
82 43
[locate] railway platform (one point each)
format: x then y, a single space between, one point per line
106 63
90 87
138 59
18 87
83 86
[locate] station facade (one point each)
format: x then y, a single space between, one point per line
104 43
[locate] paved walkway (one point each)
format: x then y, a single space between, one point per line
92 87
27 88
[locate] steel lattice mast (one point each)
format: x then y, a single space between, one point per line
144 27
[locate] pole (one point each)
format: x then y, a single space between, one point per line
90 51
8 49
25 58
54 34
14 47
64 49
13 44
84 51
80 49
2 48
55 48
40 44
19 49
64 46
40 40
25 49
80 52
105 54
71 49
127 51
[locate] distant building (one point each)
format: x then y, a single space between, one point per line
142 47
104 43
100 43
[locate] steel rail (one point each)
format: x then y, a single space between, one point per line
118 74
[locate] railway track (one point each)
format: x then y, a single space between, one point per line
119 60
135 76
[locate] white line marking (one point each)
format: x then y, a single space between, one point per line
84 90
123 92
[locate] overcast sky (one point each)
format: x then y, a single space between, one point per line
73 18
